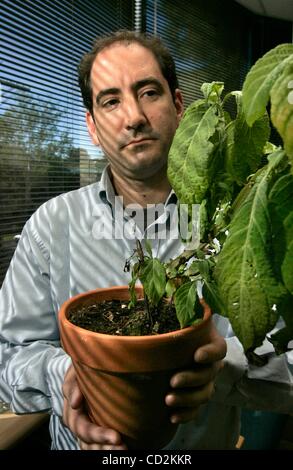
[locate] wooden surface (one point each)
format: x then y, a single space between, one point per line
13 427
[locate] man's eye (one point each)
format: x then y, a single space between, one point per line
149 94
111 103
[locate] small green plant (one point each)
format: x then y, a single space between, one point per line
243 185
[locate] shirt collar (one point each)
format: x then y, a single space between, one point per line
107 192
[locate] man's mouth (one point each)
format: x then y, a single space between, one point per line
138 141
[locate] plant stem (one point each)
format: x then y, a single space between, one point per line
146 301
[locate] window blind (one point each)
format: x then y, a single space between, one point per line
208 40
213 40
44 146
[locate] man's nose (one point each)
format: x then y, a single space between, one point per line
134 114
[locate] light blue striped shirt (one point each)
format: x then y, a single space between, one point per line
61 253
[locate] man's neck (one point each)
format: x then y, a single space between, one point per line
154 190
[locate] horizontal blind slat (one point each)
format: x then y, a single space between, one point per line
43 136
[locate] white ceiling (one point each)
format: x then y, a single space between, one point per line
282 9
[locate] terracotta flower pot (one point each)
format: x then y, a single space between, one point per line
125 378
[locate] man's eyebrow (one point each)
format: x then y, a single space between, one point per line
147 81
106 91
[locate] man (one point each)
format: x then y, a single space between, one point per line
133 103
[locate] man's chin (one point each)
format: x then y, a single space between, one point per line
147 169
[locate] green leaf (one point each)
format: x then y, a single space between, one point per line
269 148
184 300
203 219
245 144
282 108
170 288
244 270
281 213
153 279
190 155
287 266
212 91
148 248
212 296
199 266
260 80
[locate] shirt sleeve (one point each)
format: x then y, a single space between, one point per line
266 388
32 362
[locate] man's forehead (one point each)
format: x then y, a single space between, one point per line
122 60
122 49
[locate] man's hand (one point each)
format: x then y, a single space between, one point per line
89 435
194 387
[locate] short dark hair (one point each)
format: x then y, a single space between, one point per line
153 43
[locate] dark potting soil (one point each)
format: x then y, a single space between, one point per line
114 318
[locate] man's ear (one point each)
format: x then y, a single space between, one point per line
91 126
178 101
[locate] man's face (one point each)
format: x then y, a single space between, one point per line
135 116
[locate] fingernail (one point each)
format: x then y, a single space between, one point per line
173 383
201 356
174 419
169 399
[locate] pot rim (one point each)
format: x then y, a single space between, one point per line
144 338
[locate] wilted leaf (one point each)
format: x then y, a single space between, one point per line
132 291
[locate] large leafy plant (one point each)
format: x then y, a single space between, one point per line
243 185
